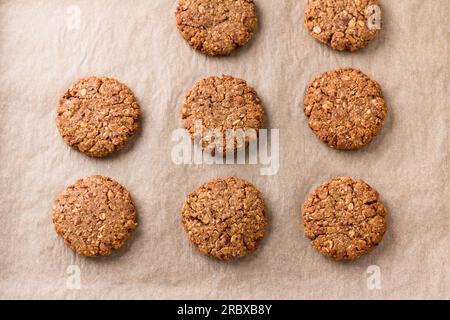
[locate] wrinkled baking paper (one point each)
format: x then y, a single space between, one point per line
46 45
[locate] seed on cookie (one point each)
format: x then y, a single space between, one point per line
97 116
95 216
223 114
225 218
344 218
343 25
216 27
345 108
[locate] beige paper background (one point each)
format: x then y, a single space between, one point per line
138 43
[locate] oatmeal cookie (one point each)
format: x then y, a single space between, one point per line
225 218
344 218
218 108
97 116
216 27
95 215
345 108
343 24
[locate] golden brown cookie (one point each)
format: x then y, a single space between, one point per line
220 105
216 27
97 116
345 108
344 218
95 215
343 24
225 218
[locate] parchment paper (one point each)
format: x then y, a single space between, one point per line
42 52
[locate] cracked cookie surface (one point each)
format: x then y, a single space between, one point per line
95 216
97 116
344 218
216 27
225 218
217 105
343 24
345 108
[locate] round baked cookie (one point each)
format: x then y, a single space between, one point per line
95 215
97 115
216 27
343 24
225 218
345 108
221 109
344 218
